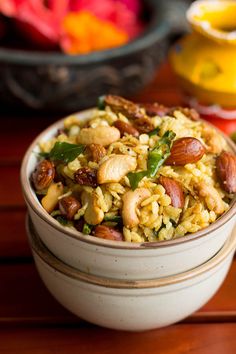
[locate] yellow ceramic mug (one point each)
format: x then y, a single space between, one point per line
205 61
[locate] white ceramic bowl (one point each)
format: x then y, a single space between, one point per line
131 305
116 259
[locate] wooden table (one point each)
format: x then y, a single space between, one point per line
31 321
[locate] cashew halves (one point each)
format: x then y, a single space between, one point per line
103 135
49 202
131 200
115 168
93 214
212 197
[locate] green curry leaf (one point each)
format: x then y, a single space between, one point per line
135 178
156 158
65 152
154 131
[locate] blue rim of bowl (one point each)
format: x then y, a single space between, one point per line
157 29
52 261
38 209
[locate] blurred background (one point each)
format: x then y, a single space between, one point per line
59 56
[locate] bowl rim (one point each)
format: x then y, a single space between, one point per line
51 260
38 209
157 29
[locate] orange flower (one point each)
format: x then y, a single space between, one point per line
83 33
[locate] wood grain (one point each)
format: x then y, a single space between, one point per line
10 189
179 339
13 239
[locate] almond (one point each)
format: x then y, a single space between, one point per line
174 191
226 170
108 233
184 151
126 128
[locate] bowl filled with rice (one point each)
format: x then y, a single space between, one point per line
135 191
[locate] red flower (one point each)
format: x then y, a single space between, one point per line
38 22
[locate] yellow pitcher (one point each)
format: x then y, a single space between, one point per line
205 61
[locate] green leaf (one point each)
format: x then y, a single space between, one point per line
101 103
87 229
159 153
62 220
45 155
156 158
135 178
115 218
154 132
65 152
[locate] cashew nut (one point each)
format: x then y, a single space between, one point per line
115 168
131 200
103 135
93 214
50 200
215 142
212 197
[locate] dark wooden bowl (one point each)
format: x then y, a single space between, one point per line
55 82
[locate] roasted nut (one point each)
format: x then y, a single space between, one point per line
211 196
108 233
69 206
174 191
184 151
43 175
226 170
121 105
97 151
191 113
115 168
144 125
154 109
102 135
50 201
126 128
93 214
131 201
86 177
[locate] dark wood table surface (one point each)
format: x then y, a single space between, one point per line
31 321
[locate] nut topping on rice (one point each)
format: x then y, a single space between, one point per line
136 173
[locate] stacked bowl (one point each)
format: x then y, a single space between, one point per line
123 285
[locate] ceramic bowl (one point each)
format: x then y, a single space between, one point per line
131 305
56 82
118 259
